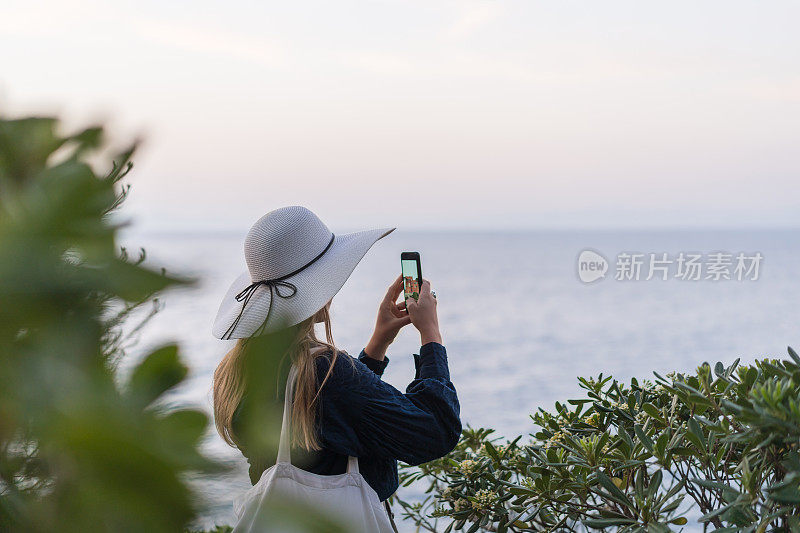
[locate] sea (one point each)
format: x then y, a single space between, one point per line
522 313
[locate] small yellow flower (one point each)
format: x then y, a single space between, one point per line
484 499
462 504
467 466
552 441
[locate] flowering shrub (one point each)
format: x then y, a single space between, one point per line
719 446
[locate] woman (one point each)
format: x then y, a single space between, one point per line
341 406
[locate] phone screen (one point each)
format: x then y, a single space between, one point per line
412 275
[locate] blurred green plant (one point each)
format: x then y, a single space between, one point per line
78 451
633 458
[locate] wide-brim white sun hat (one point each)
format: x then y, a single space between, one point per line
295 265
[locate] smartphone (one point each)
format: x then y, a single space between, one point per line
412 274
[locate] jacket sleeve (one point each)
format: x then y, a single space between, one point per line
361 415
373 364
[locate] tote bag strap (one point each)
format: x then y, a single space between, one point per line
285 445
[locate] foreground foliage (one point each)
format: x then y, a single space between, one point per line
78 451
719 446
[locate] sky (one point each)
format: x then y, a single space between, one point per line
428 114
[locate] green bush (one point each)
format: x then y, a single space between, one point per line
78 451
633 458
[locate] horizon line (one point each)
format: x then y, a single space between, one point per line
219 231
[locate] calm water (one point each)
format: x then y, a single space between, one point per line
518 324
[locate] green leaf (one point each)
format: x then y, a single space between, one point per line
695 435
602 523
613 490
655 483
715 485
661 445
793 355
492 451
652 411
716 512
157 373
643 438
786 495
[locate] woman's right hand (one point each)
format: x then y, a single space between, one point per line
423 315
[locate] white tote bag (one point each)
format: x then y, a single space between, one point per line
346 497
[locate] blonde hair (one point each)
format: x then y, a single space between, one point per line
300 344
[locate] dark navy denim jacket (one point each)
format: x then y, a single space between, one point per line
361 415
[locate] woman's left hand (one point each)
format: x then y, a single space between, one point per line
392 316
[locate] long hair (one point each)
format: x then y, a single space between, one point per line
301 345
